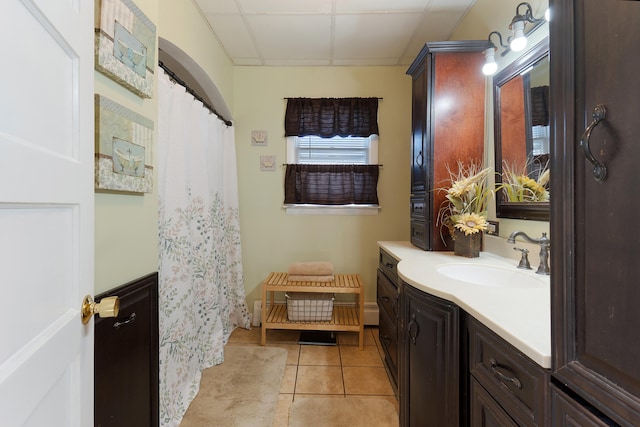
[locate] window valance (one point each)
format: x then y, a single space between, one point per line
540 106
329 117
331 184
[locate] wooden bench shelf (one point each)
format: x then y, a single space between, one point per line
343 318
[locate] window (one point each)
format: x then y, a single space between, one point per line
319 153
332 151
540 139
332 155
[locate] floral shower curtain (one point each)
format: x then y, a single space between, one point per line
201 285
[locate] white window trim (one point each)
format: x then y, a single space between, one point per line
326 209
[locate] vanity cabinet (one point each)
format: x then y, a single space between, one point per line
429 360
595 244
447 120
507 388
388 304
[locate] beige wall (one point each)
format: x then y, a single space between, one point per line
126 228
271 239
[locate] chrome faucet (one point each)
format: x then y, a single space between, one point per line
544 243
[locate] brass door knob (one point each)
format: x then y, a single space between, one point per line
107 307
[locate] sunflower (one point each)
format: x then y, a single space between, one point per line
519 187
470 223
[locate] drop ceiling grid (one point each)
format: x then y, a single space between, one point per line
330 32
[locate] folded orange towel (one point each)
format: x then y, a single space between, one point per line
305 278
315 268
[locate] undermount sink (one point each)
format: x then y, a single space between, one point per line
489 275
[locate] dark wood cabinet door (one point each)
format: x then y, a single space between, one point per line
567 412
594 232
419 127
485 411
430 361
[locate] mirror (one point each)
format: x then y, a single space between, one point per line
522 136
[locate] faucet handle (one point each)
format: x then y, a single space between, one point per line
524 260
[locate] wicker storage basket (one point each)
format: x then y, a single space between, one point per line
309 306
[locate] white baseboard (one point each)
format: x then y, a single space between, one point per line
370 312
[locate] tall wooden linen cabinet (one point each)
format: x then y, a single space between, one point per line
595 242
448 99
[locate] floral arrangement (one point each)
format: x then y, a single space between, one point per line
518 186
467 199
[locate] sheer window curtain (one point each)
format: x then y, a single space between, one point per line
201 292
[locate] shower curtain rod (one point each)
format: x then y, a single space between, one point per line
177 79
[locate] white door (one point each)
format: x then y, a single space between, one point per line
46 212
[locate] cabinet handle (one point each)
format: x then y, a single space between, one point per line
386 340
385 299
419 159
599 170
410 326
389 265
502 377
130 319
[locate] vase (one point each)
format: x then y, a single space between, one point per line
467 245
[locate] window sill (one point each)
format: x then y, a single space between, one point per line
332 210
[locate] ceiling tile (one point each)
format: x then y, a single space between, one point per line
380 6
297 62
278 36
366 62
233 35
360 36
285 6
451 5
218 6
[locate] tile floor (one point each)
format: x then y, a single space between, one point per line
332 371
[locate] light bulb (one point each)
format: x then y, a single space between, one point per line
519 40
490 66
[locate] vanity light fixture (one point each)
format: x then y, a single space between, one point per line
490 67
519 39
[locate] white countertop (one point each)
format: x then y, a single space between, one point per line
522 316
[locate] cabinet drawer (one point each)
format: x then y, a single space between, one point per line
418 207
419 234
388 334
516 382
388 265
387 296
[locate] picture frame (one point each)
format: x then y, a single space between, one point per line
125 45
123 149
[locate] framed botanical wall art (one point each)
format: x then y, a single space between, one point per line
125 45
124 149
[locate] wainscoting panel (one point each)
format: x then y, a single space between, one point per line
126 357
